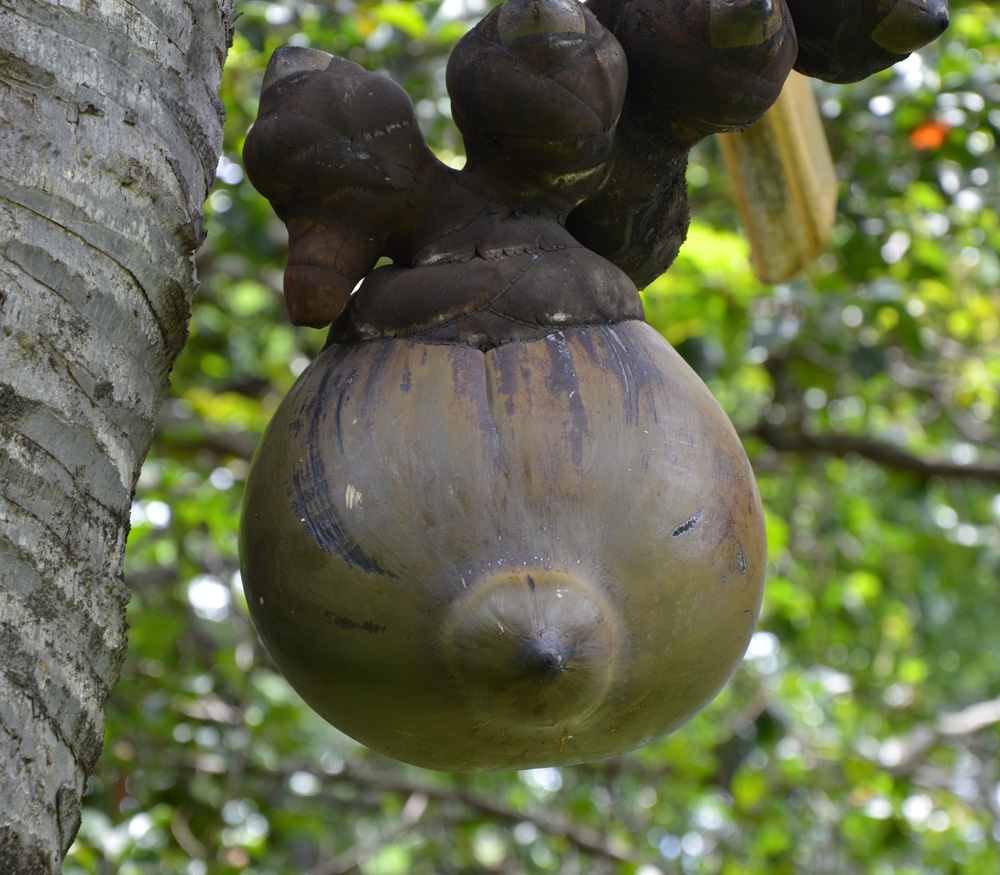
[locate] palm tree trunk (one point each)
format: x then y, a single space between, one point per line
110 132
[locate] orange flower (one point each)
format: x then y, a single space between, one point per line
929 135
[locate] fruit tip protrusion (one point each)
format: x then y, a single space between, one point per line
533 647
910 25
744 23
520 18
293 59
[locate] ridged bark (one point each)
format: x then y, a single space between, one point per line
110 133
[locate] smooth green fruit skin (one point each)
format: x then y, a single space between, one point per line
406 492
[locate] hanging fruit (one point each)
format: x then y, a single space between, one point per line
498 522
546 552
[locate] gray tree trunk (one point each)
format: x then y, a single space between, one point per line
110 132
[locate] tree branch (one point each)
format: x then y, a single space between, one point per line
419 793
586 840
969 720
346 861
787 440
917 743
195 435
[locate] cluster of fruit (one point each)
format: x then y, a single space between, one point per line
499 523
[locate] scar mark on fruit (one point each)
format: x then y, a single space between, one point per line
730 469
479 726
336 420
352 497
741 557
312 503
686 526
350 625
310 495
624 359
563 382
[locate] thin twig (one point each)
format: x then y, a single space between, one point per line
413 810
786 440
586 840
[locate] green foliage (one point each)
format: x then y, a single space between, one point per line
860 736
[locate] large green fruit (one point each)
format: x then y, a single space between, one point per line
548 552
